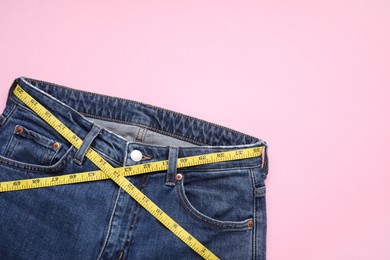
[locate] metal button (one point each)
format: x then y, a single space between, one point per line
250 223
56 146
179 176
136 155
19 129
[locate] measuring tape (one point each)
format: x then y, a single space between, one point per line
118 174
73 178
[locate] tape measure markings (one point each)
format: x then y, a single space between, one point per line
126 171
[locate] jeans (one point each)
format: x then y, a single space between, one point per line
220 204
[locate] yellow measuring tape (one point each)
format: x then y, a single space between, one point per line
73 178
118 174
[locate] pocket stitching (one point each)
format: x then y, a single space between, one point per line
39 168
11 146
49 156
34 137
228 225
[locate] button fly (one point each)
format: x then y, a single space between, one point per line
136 155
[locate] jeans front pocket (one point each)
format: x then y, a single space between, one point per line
221 199
31 147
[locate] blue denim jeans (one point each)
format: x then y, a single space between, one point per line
220 204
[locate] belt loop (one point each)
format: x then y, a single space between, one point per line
172 165
265 161
80 154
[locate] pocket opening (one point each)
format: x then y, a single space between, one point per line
58 165
30 149
38 138
209 210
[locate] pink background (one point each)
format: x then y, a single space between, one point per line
312 78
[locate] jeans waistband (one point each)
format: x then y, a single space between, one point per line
74 107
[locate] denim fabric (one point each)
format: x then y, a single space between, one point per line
220 204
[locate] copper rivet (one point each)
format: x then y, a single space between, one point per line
56 145
250 223
179 176
19 129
